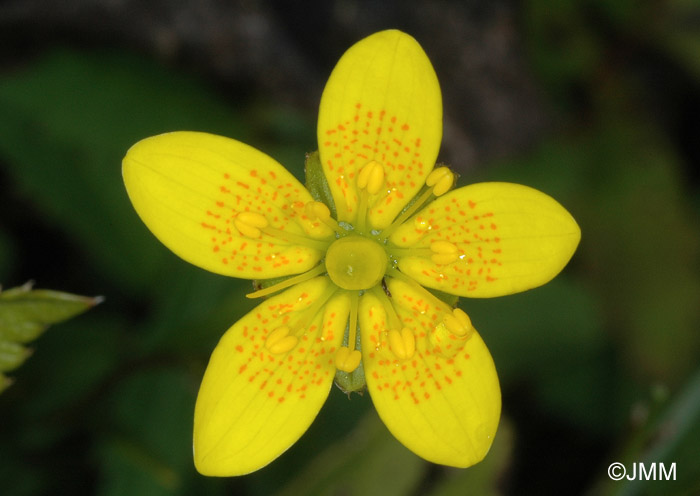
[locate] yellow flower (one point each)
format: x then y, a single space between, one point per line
355 301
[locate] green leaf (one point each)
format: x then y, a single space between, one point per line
25 314
12 355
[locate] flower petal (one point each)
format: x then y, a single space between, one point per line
254 404
509 238
188 187
443 404
382 103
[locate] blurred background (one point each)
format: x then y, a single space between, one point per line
595 102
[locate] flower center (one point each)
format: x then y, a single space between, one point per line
354 262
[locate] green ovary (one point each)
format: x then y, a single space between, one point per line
354 262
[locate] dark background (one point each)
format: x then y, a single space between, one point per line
595 102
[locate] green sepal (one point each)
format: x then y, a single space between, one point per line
259 284
316 182
448 298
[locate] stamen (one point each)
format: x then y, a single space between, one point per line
352 326
449 336
422 200
307 316
317 244
319 211
444 252
402 344
371 178
250 223
393 320
440 180
347 360
318 270
459 323
440 252
280 341
253 224
370 181
437 302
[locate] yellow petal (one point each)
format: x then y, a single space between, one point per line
382 103
509 238
194 191
253 404
442 404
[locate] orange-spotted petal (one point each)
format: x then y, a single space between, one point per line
443 402
507 238
222 205
381 104
268 378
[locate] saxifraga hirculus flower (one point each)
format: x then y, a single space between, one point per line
360 264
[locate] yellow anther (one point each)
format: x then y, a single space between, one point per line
280 341
443 258
440 180
443 247
403 344
347 360
317 210
250 223
459 323
449 336
444 252
371 177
